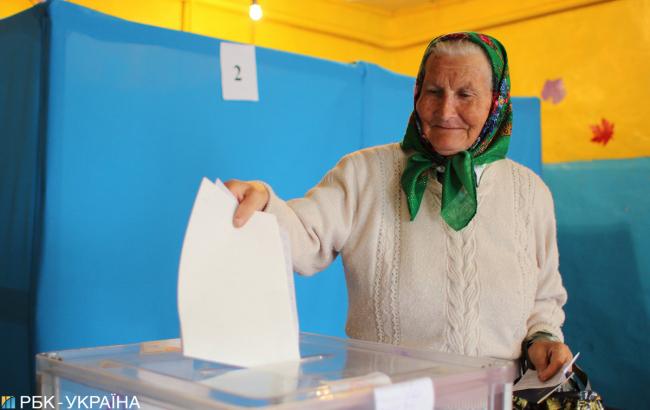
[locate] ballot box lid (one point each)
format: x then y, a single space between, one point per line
332 373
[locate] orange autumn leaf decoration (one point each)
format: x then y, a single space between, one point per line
602 132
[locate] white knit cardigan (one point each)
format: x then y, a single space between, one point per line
478 292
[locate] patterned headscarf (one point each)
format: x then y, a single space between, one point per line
459 184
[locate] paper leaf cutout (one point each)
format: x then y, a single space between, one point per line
553 90
602 132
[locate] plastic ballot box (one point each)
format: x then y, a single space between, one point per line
332 373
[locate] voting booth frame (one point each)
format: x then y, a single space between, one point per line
107 129
333 373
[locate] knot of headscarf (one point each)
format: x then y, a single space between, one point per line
459 201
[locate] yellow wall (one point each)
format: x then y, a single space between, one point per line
320 28
601 51
599 48
163 13
9 7
603 55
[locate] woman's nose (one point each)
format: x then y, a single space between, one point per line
447 107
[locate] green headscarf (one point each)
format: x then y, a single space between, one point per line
459 179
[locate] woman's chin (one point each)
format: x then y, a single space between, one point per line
448 148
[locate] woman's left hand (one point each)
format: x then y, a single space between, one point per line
548 357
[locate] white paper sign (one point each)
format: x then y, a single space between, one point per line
412 395
238 72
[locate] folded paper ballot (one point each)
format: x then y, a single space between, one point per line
236 298
532 389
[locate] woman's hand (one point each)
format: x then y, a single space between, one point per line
251 195
548 357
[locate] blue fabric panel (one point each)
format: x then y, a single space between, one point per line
603 214
21 107
387 104
526 141
136 120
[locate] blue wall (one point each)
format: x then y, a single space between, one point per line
603 215
127 121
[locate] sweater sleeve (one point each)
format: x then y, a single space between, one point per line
320 223
547 314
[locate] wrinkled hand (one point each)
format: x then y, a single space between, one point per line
251 195
548 357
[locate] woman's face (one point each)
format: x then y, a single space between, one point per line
454 101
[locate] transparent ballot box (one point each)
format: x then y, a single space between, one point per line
332 373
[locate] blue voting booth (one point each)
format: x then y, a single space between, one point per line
108 126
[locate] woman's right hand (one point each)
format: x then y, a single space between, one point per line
251 195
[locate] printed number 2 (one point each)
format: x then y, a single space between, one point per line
237 77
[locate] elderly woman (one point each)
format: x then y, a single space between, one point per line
446 244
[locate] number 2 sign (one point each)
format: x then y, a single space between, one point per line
238 72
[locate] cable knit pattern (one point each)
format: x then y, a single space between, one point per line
455 285
522 186
472 291
394 277
463 288
378 258
527 251
418 283
519 229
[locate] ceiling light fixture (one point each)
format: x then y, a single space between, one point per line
255 11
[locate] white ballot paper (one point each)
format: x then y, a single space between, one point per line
236 299
530 380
